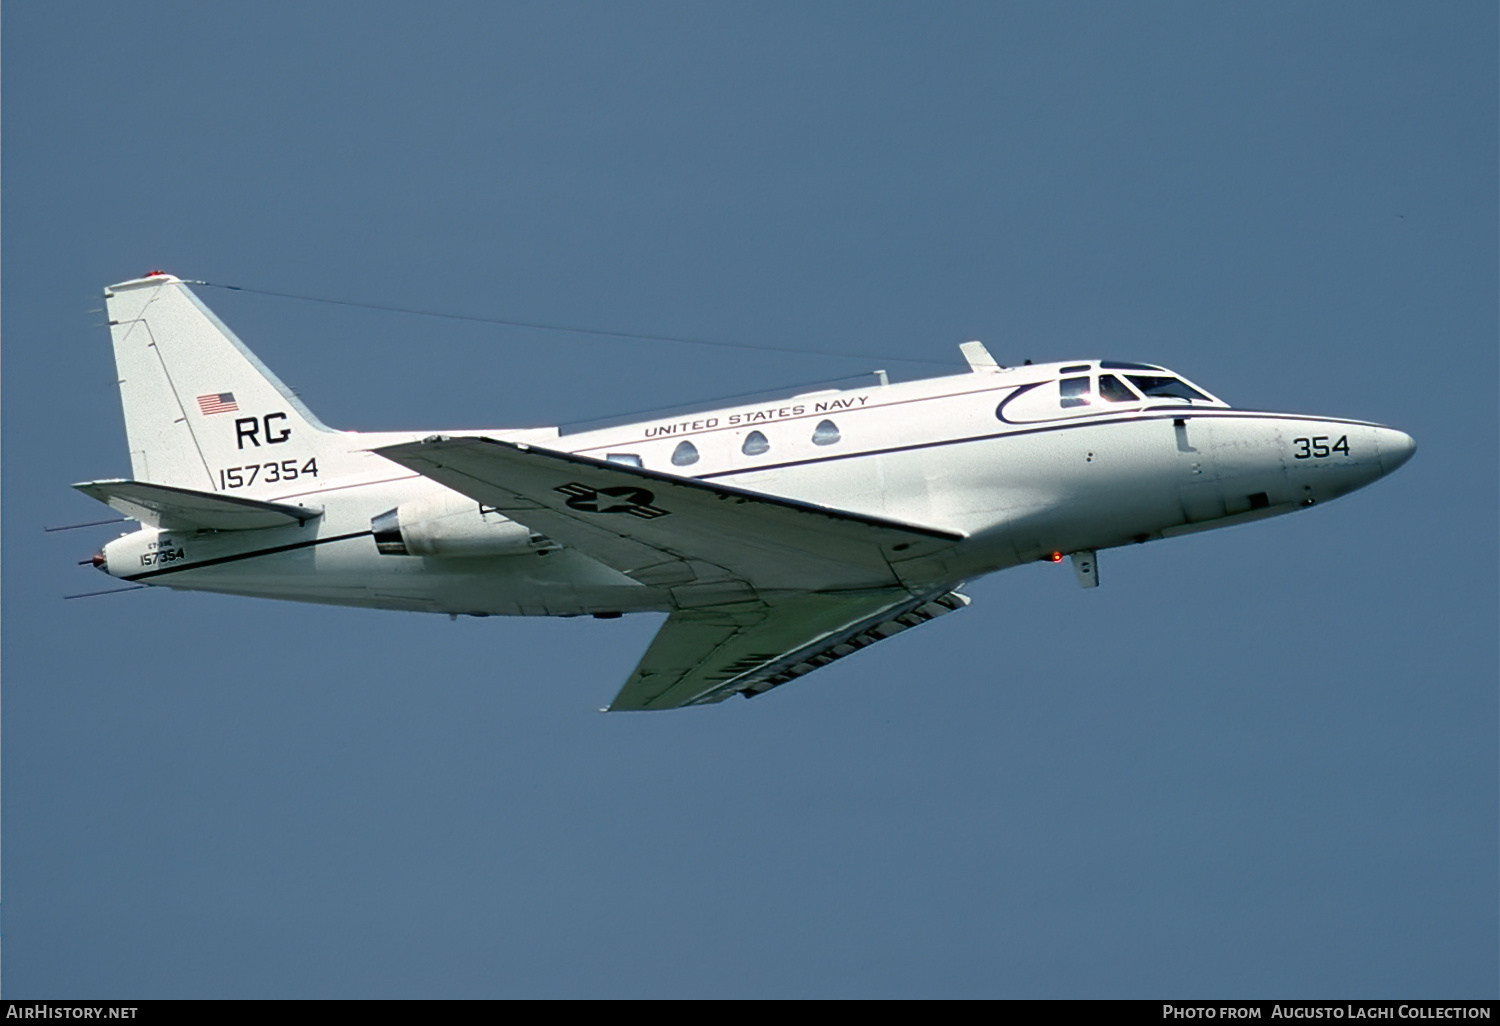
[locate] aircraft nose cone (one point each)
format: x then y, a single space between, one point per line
1395 447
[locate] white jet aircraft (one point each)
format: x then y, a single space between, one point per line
779 536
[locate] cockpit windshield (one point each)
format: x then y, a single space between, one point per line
1087 389
1154 387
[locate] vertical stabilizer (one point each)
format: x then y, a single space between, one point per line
198 403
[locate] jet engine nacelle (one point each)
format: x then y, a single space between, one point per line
449 524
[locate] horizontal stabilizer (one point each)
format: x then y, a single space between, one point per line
669 531
702 656
183 509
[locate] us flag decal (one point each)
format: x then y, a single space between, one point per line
217 402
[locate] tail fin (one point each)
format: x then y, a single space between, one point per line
200 410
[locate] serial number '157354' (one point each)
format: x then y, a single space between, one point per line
162 556
269 473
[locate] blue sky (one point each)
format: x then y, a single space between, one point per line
1255 762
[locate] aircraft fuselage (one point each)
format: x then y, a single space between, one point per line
779 535
939 452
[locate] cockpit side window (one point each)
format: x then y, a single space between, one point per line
1166 388
1074 392
1112 389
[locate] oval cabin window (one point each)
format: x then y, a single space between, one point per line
685 455
826 433
755 444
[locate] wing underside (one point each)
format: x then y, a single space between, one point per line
701 656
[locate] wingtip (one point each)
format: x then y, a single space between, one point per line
153 277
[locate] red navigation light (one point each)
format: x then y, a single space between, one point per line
157 273
1055 557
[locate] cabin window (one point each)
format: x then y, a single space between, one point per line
629 459
826 433
755 444
1075 392
1114 390
685 455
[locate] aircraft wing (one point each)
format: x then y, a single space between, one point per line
701 656
675 532
186 509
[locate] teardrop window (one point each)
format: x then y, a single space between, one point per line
685 455
755 444
826 433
